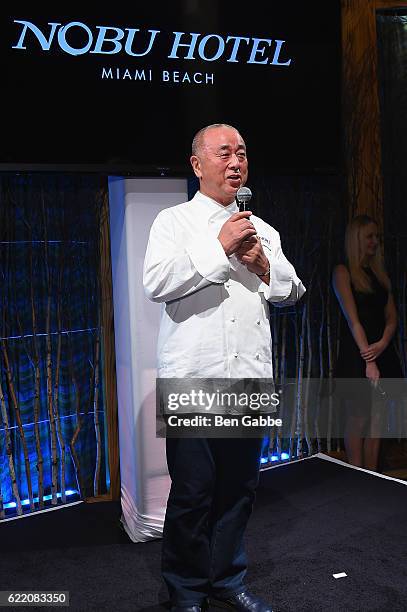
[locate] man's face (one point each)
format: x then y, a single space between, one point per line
221 164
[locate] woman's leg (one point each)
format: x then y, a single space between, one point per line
371 449
353 438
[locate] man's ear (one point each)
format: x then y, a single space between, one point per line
196 166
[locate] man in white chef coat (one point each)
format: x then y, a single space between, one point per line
216 269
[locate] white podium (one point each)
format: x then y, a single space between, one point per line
134 204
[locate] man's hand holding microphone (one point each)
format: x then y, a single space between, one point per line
238 237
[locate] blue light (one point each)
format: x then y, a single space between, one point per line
264 460
66 416
26 502
55 333
285 456
274 457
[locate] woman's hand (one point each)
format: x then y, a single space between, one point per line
372 371
373 351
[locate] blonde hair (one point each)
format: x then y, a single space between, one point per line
354 256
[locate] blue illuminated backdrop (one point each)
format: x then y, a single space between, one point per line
52 427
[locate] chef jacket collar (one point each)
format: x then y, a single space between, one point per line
213 207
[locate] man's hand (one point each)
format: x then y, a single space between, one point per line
235 230
251 254
373 350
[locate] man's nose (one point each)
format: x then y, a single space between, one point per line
234 162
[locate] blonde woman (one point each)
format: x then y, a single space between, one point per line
366 350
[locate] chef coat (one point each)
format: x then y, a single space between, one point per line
215 321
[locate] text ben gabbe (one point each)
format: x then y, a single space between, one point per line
220 420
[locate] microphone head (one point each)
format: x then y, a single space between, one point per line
243 195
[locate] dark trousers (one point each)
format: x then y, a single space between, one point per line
211 499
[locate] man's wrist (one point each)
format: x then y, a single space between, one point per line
265 273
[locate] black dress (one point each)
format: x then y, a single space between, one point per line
350 364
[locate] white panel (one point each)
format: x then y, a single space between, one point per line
134 204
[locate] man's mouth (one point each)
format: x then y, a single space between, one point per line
235 177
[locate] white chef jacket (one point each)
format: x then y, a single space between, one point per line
215 322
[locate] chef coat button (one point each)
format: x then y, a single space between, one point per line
257 356
227 286
258 321
233 319
235 355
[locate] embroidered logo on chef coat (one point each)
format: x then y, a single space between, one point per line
266 242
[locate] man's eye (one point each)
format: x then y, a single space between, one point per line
241 155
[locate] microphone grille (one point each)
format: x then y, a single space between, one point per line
244 195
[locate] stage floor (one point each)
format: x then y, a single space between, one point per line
313 518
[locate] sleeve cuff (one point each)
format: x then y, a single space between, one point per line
285 287
209 258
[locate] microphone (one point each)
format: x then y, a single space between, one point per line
243 197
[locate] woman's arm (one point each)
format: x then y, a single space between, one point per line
343 291
375 349
390 314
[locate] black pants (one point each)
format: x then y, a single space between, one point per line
211 499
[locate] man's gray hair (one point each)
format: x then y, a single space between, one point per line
199 136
